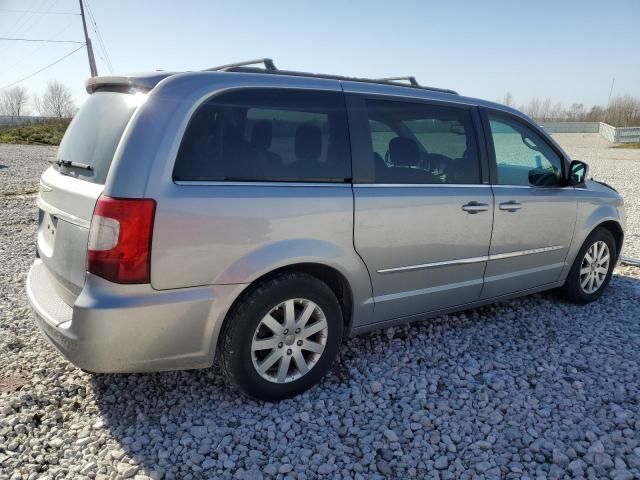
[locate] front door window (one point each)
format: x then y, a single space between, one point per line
522 156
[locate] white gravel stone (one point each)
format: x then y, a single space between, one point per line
126 471
441 462
391 435
530 388
89 467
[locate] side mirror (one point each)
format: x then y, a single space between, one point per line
577 172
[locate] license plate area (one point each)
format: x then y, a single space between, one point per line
48 225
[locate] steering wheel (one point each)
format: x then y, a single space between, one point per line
543 177
386 158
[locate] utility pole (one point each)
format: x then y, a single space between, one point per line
606 112
92 60
611 92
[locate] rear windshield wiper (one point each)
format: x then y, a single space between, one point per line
69 163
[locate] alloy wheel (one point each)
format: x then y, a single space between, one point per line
289 340
594 267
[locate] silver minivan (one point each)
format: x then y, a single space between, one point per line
259 216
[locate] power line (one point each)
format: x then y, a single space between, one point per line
36 19
26 17
37 49
11 10
94 26
43 68
99 36
106 63
39 40
33 18
100 39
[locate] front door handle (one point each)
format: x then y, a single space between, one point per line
511 206
475 207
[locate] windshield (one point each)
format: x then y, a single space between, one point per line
93 135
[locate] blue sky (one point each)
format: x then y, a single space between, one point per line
567 50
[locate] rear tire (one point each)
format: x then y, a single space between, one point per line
592 269
281 337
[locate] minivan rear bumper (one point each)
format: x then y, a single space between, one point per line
131 328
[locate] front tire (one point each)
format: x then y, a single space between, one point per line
592 269
281 337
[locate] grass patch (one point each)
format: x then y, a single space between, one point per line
35 134
628 145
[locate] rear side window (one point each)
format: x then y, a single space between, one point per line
95 132
267 135
421 143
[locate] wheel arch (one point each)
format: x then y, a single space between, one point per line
616 230
327 274
571 288
603 217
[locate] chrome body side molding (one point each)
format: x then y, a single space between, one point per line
463 261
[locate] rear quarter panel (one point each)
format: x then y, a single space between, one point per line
234 234
222 234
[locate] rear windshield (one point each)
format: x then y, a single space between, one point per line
94 134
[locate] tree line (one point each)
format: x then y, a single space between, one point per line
56 101
621 111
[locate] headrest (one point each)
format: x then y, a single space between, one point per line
261 135
404 152
308 142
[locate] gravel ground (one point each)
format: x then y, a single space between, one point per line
532 388
618 167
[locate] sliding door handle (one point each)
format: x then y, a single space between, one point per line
475 207
511 206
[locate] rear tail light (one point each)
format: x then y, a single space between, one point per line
120 239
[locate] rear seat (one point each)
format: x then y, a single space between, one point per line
405 158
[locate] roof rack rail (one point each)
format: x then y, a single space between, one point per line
268 65
270 68
411 79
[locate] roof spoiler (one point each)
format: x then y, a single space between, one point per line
142 82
